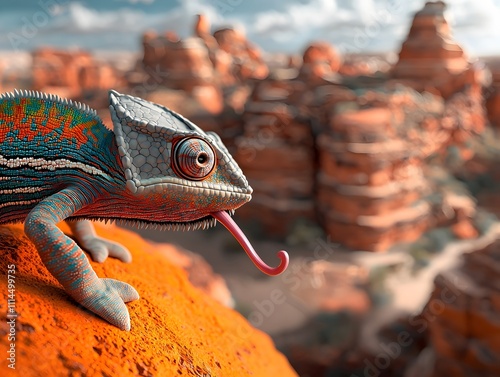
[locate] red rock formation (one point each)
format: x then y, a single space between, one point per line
430 59
493 97
180 64
462 317
373 182
176 328
364 65
247 62
320 61
276 152
226 58
202 26
370 185
70 73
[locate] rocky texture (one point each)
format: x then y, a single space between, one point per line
400 344
373 187
493 94
370 194
70 74
320 61
180 64
276 152
372 140
202 65
365 64
246 59
199 272
462 315
176 329
430 59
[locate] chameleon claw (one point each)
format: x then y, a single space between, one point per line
100 249
230 225
107 299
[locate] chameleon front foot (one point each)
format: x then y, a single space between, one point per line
99 248
107 299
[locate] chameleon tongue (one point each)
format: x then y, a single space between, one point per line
226 220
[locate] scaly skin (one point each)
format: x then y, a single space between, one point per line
58 162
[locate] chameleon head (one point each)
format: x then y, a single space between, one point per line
185 175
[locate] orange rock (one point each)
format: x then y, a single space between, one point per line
430 58
202 26
247 60
462 316
209 97
72 71
493 107
372 187
176 328
464 229
320 60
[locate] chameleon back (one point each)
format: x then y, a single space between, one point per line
46 144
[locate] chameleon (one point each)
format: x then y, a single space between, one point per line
58 161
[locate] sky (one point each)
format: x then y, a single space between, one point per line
274 25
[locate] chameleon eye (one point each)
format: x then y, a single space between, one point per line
193 159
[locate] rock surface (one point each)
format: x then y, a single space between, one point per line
201 63
493 96
71 73
276 152
429 58
176 328
320 61
462 314
374 188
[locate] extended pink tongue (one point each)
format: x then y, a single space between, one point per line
226 220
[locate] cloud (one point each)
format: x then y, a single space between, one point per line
76 18
137 1
278 25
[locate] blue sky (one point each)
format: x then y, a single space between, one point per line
279 25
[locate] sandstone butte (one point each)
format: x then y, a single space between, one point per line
176 328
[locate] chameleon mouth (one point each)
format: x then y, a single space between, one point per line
226 220
203 223
224 217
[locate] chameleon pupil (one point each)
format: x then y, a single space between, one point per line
193 159
202 158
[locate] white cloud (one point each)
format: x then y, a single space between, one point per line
276 25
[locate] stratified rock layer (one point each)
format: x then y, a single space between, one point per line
462 315
176 328
373 187
71 73
276 152
429 58
493 95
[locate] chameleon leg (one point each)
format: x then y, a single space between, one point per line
69 265
99 248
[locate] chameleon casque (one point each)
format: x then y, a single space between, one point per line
58 161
